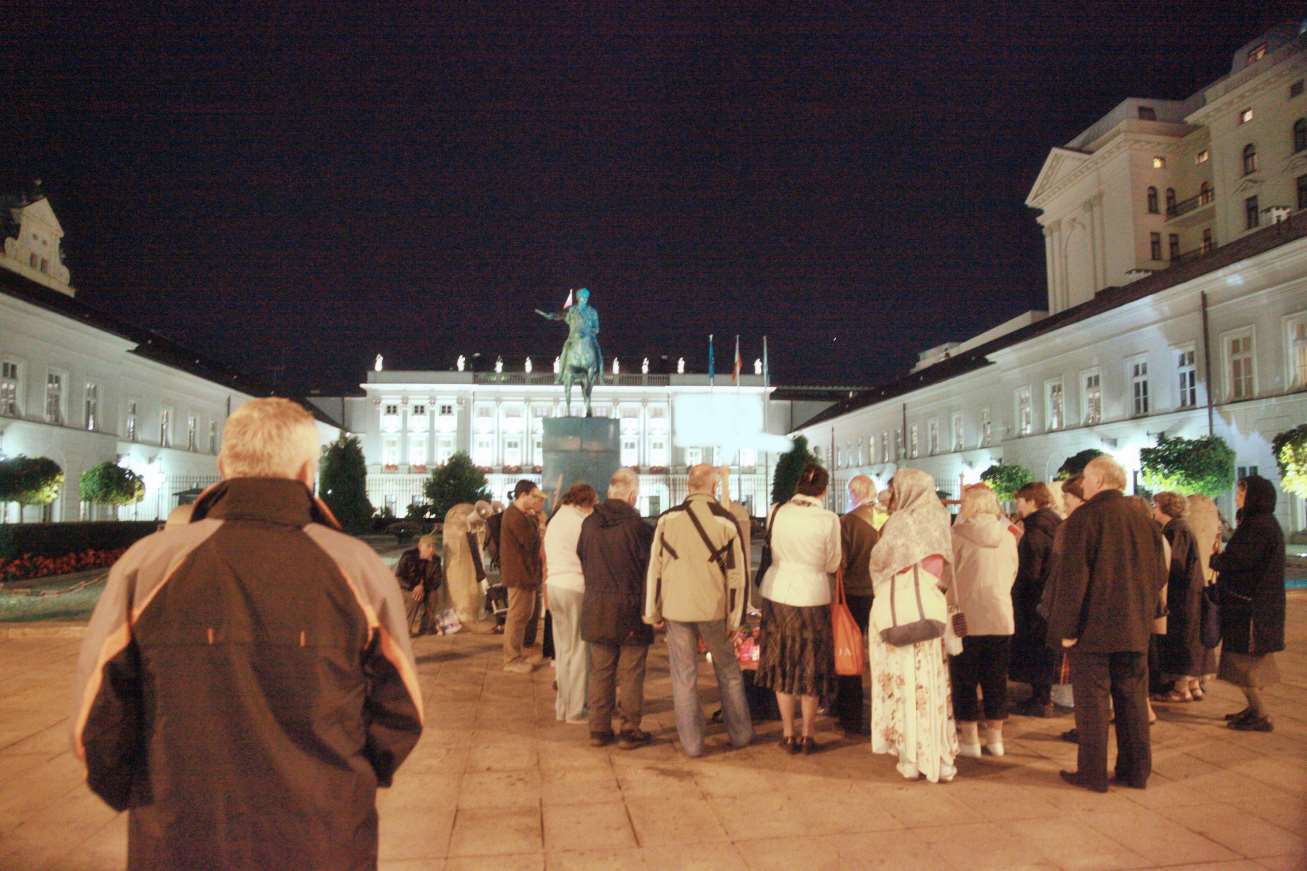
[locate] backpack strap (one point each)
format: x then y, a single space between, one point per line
714 553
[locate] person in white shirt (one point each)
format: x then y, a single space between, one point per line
565 589
797 655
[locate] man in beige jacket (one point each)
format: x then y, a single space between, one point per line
697 584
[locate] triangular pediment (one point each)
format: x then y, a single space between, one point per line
1060 163
40 212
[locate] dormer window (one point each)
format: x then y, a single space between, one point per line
1246 115
1202 156
1257 53
1159 162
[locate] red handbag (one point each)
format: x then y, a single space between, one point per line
850 654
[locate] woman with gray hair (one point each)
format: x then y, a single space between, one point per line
1182 651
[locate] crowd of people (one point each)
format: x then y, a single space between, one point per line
254 647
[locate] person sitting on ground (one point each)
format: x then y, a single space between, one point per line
797 655
419 575
614 547
1251 583
983 571
246 680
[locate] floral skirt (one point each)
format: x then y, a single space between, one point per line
912 707
797 652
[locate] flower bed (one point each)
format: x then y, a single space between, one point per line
29 566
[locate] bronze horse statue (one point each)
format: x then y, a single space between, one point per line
581 358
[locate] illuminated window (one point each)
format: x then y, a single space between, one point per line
446 411
1240 365
213 437
884 447
1138 369
165 426
1245 116
914 441
898 445
1202 156
131 420
1091 392
630 450
694 456
658 451
54 397
192 432
417 449
483 449
1297 350
932 437
1257 54
9 388
1187 377
1025 413
444 448
513 451
1159 163
958 434
91 403
390 450
1054 405
986 427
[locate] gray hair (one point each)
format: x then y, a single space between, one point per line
1107 470
623 483
862 488
268 438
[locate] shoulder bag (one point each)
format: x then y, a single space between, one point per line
910 610
849 660
764 561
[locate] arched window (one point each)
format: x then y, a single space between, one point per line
1170 200
1299 135
1204 193
1152 201
1249 159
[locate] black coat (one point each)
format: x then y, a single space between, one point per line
412 570
1183 651
1109 576
1252 576
614 548
1032 661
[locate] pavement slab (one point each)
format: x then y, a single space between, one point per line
498 783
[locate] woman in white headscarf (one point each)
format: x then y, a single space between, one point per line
911 709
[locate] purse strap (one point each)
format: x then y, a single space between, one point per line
839 587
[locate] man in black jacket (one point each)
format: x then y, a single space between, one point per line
1108 579
614 549
420 575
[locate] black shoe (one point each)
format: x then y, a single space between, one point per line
633 738
600 739
1117 780
790 745
1071 736
1073 778
1252 724
1239 715
808 744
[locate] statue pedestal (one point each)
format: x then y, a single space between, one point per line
579 449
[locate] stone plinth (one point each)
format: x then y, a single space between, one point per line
579 449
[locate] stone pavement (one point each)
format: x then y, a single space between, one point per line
496 783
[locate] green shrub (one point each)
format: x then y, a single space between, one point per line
58 539
1290 448
1203 466
111 484
788 469
456 481
1005 479
30 480
343 483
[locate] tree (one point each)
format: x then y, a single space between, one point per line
1075 464
456 481
30 481
1203 466
1290 448
111 484
788 469
1005 479
342 481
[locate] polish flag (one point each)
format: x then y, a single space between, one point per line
569 302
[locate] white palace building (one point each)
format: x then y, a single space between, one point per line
1176 246
81 387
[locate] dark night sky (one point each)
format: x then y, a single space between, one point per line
310 188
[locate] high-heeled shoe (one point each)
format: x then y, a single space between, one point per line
789 744
809 745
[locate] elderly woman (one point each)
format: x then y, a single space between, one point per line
1181 648
911 715
565 589
797 656
1251 572
984 569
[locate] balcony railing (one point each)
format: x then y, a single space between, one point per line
1186 256
1175 210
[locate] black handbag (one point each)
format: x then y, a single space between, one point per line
1210 631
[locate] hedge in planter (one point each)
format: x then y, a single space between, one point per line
1290 448
111 484
1202 466
58 539
30 480
1005 479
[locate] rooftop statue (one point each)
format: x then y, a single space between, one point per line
581 357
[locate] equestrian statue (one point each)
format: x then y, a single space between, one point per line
581 359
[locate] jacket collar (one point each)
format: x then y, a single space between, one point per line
806 501
275 500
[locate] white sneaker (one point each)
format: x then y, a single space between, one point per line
994 740
968 740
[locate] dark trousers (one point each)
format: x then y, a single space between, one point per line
1124 677
983 661
616 672
849 700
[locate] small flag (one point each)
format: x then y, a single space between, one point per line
712 361
735 368
569 302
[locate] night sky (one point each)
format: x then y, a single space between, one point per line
296 191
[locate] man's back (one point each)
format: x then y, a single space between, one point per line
858 535
519 549
234 683
1110 571
686 581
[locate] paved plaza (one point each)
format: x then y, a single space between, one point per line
496 783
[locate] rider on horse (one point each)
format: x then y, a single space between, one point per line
581 354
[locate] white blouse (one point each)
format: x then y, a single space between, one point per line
561 560
805 547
